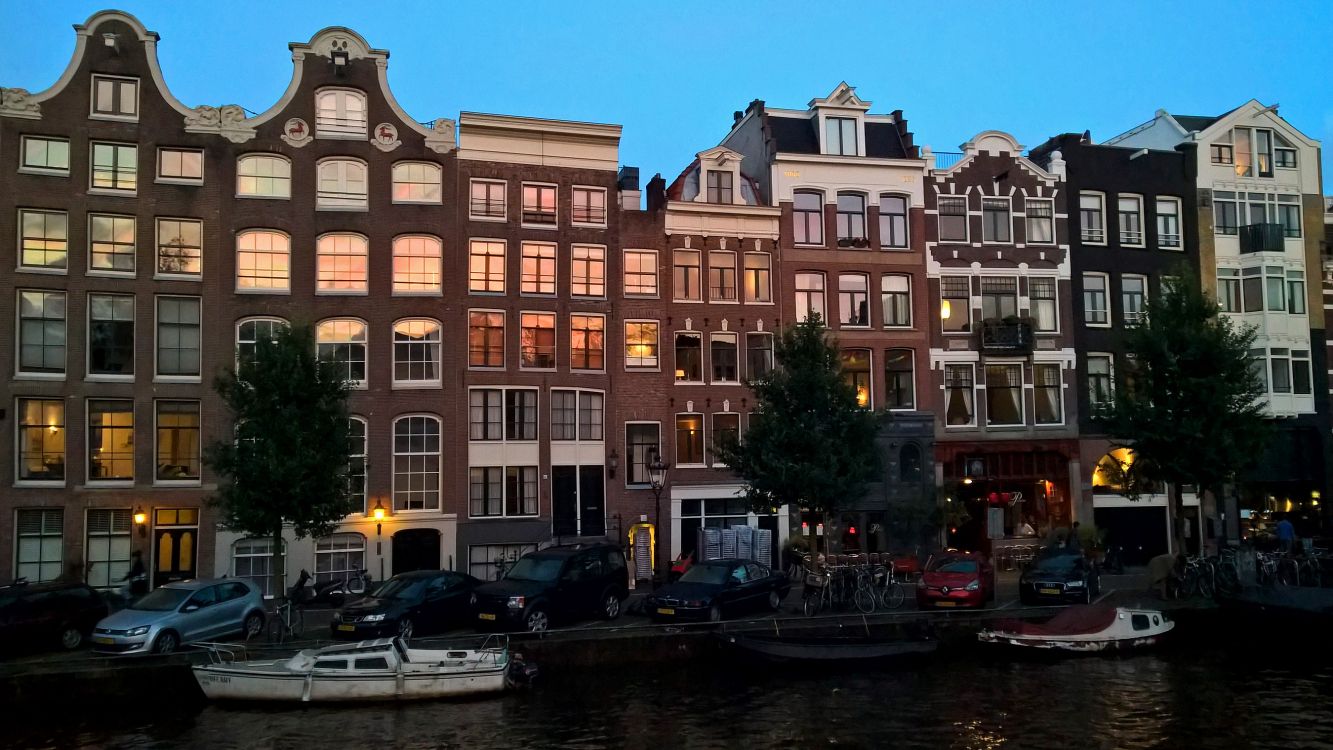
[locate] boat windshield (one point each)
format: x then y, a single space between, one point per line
955 565
714 574
162 600
1057 563
402 588
544 569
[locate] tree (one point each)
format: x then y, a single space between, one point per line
809 444
1190 407
288 460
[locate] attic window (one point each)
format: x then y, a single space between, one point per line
840 136
719 186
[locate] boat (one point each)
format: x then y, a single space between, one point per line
828 649
380 670
1088 628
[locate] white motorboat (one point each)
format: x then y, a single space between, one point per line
1088 628
378 670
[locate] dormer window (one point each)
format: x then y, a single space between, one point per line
340 113
115 98
840 136
719 186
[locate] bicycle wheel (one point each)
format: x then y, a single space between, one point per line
1205 583
864 600
1284 576
811 605
893 595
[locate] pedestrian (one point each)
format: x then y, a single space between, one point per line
137 578
1286 535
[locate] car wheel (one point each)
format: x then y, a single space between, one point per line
774 601
405 627
254 624
70 637
537 621
166 643
715 613
610 605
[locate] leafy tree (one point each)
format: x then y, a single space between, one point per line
289 459
809 444
1190 407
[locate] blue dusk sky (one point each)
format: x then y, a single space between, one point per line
672 73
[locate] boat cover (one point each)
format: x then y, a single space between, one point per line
1079 620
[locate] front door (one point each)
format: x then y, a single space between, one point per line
564 501
174 551
592 501
416 549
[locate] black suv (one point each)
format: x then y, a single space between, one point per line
39 614
565 583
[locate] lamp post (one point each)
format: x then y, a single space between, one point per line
657 471
378 514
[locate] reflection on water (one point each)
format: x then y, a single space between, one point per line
1200 699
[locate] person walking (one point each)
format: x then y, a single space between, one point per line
137 577
1286 535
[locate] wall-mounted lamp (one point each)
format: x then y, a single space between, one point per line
141 520
612 463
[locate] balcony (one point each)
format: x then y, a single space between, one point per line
1007 336
1261 238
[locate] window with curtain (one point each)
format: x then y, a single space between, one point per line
1049 394
1004 395
959 392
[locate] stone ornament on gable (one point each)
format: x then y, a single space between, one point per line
228 121
296 133
18 103
441 137
385 137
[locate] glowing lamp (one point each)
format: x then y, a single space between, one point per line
945 309
967 480
378 511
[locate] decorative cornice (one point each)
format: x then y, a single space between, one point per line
228 121
19 103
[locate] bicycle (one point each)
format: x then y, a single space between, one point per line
892 593
287 623
865 597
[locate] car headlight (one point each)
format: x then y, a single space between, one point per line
141 630
974 585
373 618
1074 585
517 602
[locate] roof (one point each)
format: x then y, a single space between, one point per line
796 135
1193 123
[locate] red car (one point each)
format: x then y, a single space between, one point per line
956 579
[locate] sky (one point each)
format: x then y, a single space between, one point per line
672 73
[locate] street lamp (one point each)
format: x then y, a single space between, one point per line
657 471
378 513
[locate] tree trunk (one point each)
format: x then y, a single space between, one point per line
276 566
1177 518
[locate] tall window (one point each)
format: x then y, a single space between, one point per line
341 184
40 543
111 334
342 264
177 441
252 559
416 265
591 418
758 355
111 245
810 296
339 557
538 273
1252 289
485 490
1300 370
723 355
1168 223
108 548
689 357
263 261
896 295
416 352
1228 289
956 303
344 341
178 336
1004 395
587 271
45 239
1099 379
1096 311
486 200
1040 221
1263 152
893 221
486 267
536 341
642 444
758 277
46 155
521 414
851 218
539 204
722 276
485 414
184 165
486 338
115 167
900 379
42 332
263 176
640 273
719 186
808 218
250 332
416 463
1049 393
587 343
1045 311
686 275
854 300
959 395
357 436
856 373
641 344
1226 216
340 113
996 223
589 206
41 440
999 297
180 249
1133 297
1296 292
1280 364
110 440
564 414
840 136
726 431
115 97
416 182
1275 288
1130 210
1289 215
1091 221
952 210
689 439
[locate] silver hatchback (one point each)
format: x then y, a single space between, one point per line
182 612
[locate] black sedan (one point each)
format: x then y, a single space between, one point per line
716 589
1057 577
417 603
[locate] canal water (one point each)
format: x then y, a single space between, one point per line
1249 693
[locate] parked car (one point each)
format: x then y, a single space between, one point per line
956 579
182 612
1060 576
557 583
417 603
717 589
42 614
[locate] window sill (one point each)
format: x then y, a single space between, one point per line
895 248
436 293
264 197
417 203
586 371
283 292
106 378
907 327
177 379
688 301
112 118
584 225
691 382
537 295
724 301
726 382
415 511
524 517
179 181
486 368
195 277
37 484
641 296
491 219
587 298
343 209
690 466
629 368
44 172
809 245
341 292
960 427
48 376
548 227
483 293
108 484
400 386
521 368
42 270
178 483
338 135
112 192
103 274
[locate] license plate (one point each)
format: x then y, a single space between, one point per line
485 616
665 611
348 628
1050 591
104 641
945 604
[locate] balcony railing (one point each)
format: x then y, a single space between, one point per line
1261 238
1006 336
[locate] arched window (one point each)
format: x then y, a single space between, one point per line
344 340
338 557
251 331
416 182
263 261
340 113
342 184
263 176
416 265
252 559
416 353
416 463
341 264
909 463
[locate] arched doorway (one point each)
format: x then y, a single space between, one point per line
416 549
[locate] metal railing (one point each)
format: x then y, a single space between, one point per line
1261 238
1006 336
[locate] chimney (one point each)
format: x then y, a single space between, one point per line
627 182
656 193
736 117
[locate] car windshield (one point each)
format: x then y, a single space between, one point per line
714 574
954 565
543 569
1057 563
162 600
402 588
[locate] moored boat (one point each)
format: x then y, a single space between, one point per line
1084 629
828 649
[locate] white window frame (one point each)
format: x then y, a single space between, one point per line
93 188
26 168
944 389
41 558
504 200
1125 314
1180 223
1022 394
711 372
657 364
1137 213
572 366
113 568
437 258
262 582
504 338
405 166
134 249
362 384
342 198
802 312
88 344
19 372
594 254
393 463
253 319
1009 212
870 316
117 82
349 569
1110 370
348 130
555 209
488 279
676 372
158 273
703 440
320 255
606 209
88 444
1084 236
1027 221
1032 313
286 288
19 427
629 454
259 157
157 434
1060 390
657 280
1106 290
885 366
164 150
884 309
158 377
540 258
967 220
18 246
436 361
906 245
359 449
555 343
